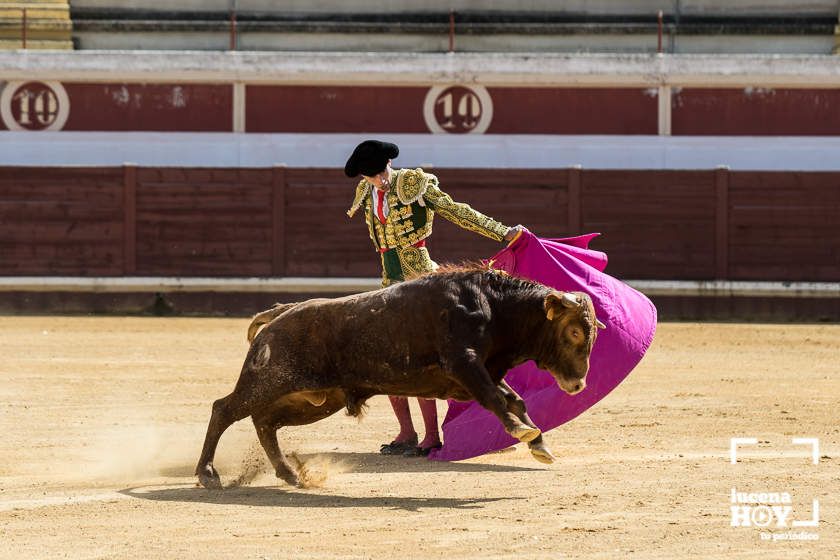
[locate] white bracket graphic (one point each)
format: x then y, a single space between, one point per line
815 446
735 442
815 516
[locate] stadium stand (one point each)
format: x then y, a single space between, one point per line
594 26
35 24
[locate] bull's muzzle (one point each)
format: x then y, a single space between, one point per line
571 386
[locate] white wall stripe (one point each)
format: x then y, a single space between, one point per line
477 151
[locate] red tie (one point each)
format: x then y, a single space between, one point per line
380 209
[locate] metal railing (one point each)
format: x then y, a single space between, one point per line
234 39
451 30
659 32
23 26
232 30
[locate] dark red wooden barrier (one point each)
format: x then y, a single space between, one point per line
61 221
656 224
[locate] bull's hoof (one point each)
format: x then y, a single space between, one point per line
209 478
290 478
525 433
541 453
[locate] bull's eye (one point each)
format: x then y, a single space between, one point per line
575 334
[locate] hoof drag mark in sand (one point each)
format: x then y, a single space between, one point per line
316 470
254 464
313 472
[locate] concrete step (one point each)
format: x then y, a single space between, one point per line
14 34
39 29
60 14
35 10
7 45
29 3
9 23
35 4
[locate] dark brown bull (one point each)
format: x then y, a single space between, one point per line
447 335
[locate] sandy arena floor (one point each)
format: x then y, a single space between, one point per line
102 421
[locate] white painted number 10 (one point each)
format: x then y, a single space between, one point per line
458 109
35 108
468 109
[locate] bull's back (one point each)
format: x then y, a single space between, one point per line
383 332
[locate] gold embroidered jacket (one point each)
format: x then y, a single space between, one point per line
411 212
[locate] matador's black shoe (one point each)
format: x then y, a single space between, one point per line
398 447
421 451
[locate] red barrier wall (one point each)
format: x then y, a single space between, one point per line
608 110
657 224
755 111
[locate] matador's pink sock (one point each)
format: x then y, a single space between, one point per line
429 409
403 414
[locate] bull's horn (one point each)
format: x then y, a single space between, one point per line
570 300
599 324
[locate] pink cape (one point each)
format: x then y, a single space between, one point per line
568 265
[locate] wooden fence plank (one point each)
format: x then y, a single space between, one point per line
278 222
130 220
722 223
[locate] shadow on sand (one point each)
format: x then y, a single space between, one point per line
289 497
376 463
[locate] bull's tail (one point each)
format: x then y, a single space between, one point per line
266 317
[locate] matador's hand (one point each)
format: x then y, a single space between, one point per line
512 232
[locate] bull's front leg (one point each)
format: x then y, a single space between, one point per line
475 378
516 406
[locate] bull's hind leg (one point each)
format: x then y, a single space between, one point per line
516 406
226 411
295 409
267 434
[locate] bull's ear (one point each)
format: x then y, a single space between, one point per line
551 304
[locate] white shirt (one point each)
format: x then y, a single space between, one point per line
375 197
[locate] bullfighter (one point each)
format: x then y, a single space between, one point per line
399 208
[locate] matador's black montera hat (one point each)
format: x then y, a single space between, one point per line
370 158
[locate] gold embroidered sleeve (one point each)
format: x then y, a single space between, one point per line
463 215
361 190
